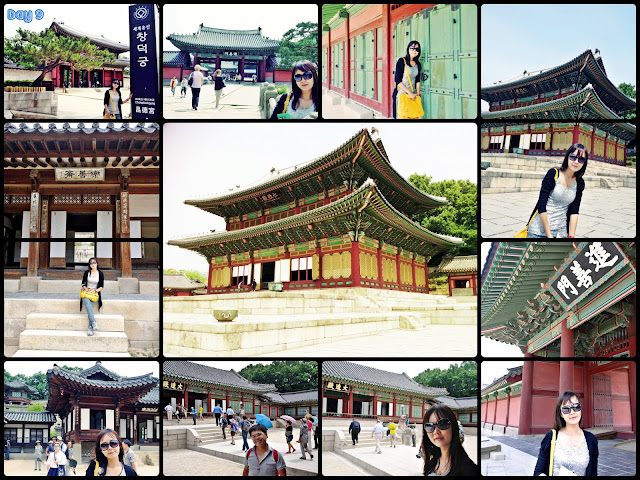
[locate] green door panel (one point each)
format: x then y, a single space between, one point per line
379 64
368 64
360 65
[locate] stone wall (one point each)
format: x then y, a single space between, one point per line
174 438
34 102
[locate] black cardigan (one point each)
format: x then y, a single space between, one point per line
219 84
85 277
107 101
548 184
129 471
542 465
400 73
280 106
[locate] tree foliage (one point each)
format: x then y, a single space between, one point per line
459 380
287 376
48 50
299 43
630 91
457 219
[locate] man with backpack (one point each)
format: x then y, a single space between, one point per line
245 425
354 430
262 459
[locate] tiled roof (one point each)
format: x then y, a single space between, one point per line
207 37
96 40
459 403
306 396
203 373
377 377
179 281
116 381
29 417
511 373
468 263
18 385
80 127
178 58
152 397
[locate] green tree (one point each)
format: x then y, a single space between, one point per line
459 380
457 219
48 50
630 91
287 376
299 43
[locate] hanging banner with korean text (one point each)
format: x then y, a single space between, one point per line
585 271
144 65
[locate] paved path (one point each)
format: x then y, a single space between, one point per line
237 101
400 460
522 453
604 212
183 462
433 341
24 468
87 103
335 465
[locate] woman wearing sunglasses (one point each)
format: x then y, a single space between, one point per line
92 283
109 459
113 101
442 449
407 76
573 448
302 101
560 195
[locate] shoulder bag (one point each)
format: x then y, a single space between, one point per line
553 447
106 112
408 108
525 232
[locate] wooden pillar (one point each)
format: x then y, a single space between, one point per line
395 412
355 263
410 409
587 401
350 402
135 427
632 395
186 397
413 272
379 260
218 62
495 408
125 231
593 137
506 422
346 66
329 63
474 283
566 366
262 69
34 232
550 138
387 55
451 280
398 257
604 154
209 289
375 405
526 397
576 134
426 272
241 68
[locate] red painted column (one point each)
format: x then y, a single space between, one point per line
387 78
398 271
241 68
355 263
551 137
186 397
604 155
394 406
474 284
450 287
375 406
576 133
632 395
506 423
262 73
410 409
426 272
524 423
379 259
413 273
566 367
346 66
209 409
587 415
495 409
210 275
631 329
593 137
329 60
350 402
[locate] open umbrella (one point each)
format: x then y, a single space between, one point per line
264 420
288 418
315 420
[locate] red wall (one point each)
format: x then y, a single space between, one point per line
501 413
169 72
282 76
620 399
514 412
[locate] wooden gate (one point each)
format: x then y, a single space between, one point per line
602 408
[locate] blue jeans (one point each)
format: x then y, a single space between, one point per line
554 233
88 305
245 445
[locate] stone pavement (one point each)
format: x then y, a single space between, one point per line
432 341
335 465
238 100
184 462
609 213
400 460
522 453
87 103
24 468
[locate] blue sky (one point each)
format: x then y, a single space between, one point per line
515 38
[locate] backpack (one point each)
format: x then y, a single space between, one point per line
246 425
275 454
224 422
356 426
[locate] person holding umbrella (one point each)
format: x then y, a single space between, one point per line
288 433
261 459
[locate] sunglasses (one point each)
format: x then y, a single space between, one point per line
417 49
575 158
93 263
576 407
306 75
112 444
442 424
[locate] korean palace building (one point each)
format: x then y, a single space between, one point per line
193 385
362 42
244 52
522 402
577 95
341 220
96 398
76 183
354 390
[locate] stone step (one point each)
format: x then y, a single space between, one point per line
74 321
69 340
65 354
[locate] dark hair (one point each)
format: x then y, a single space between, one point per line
579 148
305 66
100 458
257 426
460 461
408 57
558 421
89 264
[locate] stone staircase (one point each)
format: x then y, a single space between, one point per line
511 172
343 439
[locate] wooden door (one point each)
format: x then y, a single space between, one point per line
602 407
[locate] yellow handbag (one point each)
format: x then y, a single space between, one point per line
553 447
524 233
91 296
408 108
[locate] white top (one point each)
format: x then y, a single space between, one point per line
56 460
377 428
198 79
92 280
